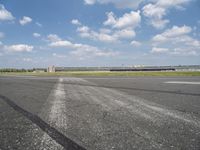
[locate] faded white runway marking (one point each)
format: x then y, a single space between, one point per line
56 114
53 113
183 82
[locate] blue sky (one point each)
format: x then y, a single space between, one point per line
99 32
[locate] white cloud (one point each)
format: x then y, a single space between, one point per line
61 43
131 20
36 35
27 59
184 52
106 35
178 40
59 55
172 33
19 48
82 50
83 29
86 51
117 3
53 38
90 2
75 22
159 50
110 19
189 41
156 12
172 3
124 34
1 54
86 32
136 43
122 28
5 14
38 24
104 30
25 20
2 35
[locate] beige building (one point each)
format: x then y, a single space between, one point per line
51 69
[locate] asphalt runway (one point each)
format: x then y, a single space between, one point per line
99 113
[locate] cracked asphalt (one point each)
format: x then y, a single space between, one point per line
99 113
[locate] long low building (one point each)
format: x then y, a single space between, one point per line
145 68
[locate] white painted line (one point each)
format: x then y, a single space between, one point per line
183 82
57 113
53 113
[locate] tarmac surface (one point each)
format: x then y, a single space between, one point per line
99 113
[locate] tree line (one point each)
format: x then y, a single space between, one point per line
18 70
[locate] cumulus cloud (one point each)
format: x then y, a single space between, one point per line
155 12
86 32
59 55
90 2
53 38
124 33
19 48
38 24
117 3
83 29
36 35
171 34
136 43
110 19
121 28
75 22
27 59
82 50
106 35
25 20
86 51
179 40
131 19
5 14
61 43
159 50
184 52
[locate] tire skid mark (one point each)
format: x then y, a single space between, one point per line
53 113
51 131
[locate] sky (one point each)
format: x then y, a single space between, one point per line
35 33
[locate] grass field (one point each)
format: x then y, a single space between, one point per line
105 73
